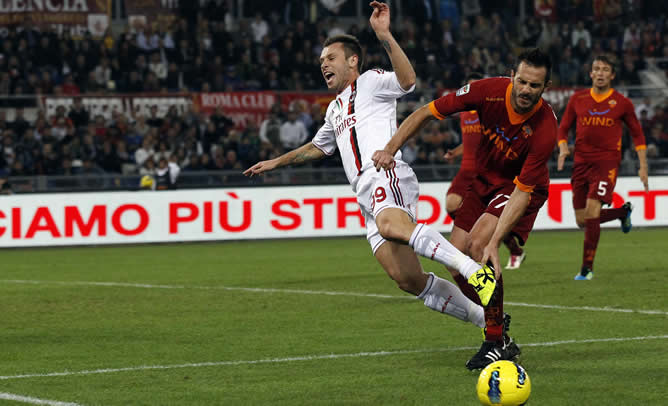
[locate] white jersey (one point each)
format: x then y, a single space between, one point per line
361 120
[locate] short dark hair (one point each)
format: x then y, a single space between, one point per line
606 60
536 58
351 46
473 76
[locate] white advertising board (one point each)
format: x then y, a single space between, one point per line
259 212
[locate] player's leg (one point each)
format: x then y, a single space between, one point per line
517 253
497 344
592 235
403 266
493 347
396 225
621 213
481 234
452 203
601 177
460 239
395 194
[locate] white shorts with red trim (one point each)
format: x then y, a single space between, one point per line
376 191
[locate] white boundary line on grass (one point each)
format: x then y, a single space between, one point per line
313 292
315 357
34 401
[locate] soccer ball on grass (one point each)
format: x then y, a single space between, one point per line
503 383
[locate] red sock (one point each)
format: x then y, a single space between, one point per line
592 234
612 214
467 289
494 315
512 245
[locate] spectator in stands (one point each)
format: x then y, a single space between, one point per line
293 133
78 115
581 33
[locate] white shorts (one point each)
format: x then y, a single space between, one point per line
376 191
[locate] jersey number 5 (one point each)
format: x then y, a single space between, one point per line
602 185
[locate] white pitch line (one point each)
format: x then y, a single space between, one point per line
34 401
313 292
315 357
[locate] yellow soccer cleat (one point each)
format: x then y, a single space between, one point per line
484 283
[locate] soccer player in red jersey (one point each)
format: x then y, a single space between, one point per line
470 127
519 133
599 112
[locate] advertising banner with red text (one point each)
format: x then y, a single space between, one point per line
261 212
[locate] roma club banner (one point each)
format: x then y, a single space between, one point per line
154 13
252 213
77 16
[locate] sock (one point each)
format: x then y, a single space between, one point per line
444 297
612 214
467 289
431 244
592 234
512 245
494 315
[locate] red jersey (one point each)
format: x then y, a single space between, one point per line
598 133
470 124
513 147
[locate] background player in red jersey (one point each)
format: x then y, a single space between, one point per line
470 127
599 112
519 133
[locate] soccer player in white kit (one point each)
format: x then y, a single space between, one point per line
361 120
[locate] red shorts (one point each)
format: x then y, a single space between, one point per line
462 182
593 180
484 198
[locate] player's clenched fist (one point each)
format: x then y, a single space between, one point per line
382 160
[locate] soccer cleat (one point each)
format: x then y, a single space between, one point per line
626 220
484 283
586 274
514 261
491 351
511 348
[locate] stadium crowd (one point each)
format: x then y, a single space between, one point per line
209 50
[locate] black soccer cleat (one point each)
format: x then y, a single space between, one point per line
491 351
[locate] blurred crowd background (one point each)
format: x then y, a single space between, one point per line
275 45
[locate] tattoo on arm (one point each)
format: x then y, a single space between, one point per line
305 155
386 45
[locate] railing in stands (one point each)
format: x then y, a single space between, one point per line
286 176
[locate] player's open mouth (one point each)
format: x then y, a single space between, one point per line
328 76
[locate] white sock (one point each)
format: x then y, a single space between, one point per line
431 244
444 297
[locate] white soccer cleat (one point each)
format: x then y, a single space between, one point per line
514 261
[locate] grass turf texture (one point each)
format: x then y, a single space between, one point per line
55 327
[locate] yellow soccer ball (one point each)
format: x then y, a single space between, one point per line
503 383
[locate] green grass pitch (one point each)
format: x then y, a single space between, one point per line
258 323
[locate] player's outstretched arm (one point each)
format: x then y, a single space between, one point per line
306 153
409 127
380 22
517 205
